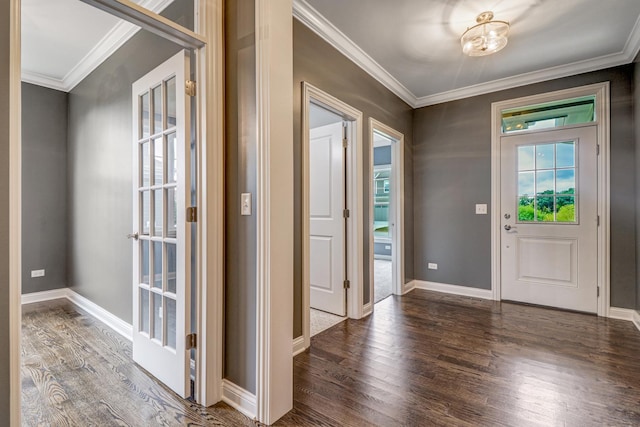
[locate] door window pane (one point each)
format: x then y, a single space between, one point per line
170 87
157 265
549 114
544 156
172 160
552 179
157 213
157 109
171 268
172 212
144 115
146 165
144 310
170 315
157 316
146 211
144 262
157 161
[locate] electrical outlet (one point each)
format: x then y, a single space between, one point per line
245 204
37 273
481 209
432 266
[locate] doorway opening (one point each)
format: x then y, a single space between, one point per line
332 211
386 211
550 198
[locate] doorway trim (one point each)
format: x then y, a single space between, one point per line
602 110
397 179
210 68
355 222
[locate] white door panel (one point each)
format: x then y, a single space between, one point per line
327 225
161 273
549 218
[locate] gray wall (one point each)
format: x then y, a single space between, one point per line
318 63
5 252
100 169
44 187
452 172
636 110
240 173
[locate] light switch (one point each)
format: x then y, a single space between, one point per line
481 209
245 204
37 273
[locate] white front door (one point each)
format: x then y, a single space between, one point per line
327 223
161 273
549 218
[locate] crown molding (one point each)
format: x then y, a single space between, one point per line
111 42
310 17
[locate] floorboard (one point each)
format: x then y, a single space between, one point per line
424 359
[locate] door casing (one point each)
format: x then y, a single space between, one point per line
354 187
602 110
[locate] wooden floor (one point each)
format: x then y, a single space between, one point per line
425 359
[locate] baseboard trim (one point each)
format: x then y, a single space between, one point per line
367 309
239 398
636 319
408 287
621 313
453 289
44 295
298 345
120 326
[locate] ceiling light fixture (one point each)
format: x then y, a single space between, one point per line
486 37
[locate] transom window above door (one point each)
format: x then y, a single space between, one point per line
547 182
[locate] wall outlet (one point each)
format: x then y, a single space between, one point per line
481 209
432 266
245 204
37 273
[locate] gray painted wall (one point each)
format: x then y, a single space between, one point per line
452 172
240 170
5 252
636 110
100 169
318 63
44 187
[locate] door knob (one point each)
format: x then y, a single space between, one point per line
507 227
133 236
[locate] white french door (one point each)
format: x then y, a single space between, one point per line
161 252
327 224
550 219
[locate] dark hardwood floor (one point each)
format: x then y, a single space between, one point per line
425 359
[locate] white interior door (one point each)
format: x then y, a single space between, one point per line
549 218
327 227
161 273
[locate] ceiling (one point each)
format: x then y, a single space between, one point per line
64 40
410 46
413 46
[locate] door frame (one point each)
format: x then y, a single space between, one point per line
355 222
602 122
210 225
397 239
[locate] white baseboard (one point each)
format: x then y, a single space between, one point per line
239 399
636 319
44 296
120 326
621 313
408 287
367 309
298 345
453 289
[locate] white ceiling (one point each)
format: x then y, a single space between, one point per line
413 46
64 40
410 46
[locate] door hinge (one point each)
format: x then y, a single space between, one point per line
598 220
345 142
190 88
192 341
346 284
598 290
345 213
192 214
597 149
